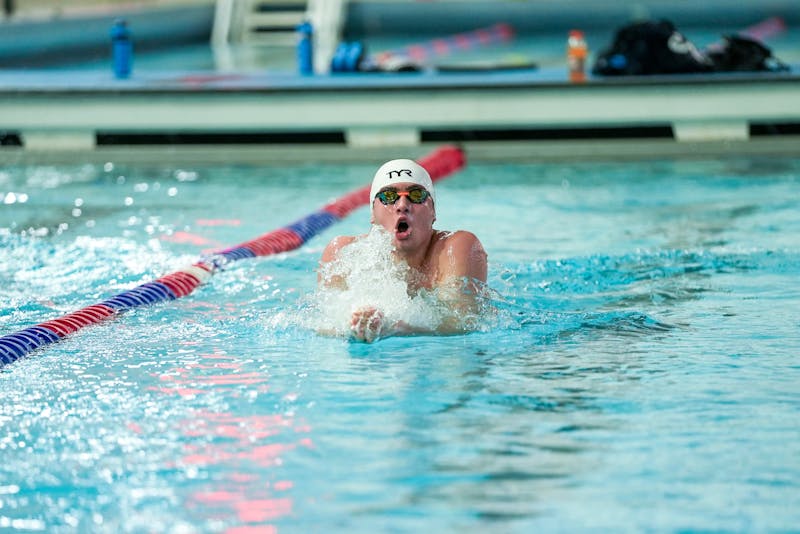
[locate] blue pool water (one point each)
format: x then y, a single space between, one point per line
640 373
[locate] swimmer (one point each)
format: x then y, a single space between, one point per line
451 264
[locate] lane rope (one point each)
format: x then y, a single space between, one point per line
440 163
444 46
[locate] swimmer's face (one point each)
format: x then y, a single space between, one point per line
409 223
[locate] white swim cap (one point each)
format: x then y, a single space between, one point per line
401 171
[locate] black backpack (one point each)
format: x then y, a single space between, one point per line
650 47
657 47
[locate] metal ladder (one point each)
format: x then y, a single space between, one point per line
273 23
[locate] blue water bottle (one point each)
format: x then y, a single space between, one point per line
305 48
121 49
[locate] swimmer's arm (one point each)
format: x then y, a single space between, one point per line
461 297
463 301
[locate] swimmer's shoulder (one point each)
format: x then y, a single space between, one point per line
336 244
461 254
460 240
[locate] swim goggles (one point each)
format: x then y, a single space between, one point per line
390 196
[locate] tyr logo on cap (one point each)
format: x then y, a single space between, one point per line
401 172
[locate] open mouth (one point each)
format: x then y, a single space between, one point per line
402 227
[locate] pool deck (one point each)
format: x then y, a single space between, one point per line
510 114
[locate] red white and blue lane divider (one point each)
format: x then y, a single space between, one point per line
439 164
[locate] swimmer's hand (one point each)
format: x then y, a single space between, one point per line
367 324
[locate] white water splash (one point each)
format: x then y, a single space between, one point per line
374 279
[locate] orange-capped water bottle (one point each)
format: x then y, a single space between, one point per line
577 52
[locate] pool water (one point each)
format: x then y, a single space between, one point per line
640 372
